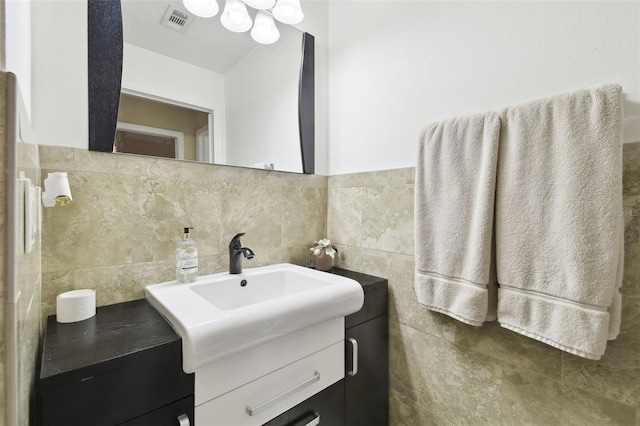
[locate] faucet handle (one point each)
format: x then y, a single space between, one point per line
235 241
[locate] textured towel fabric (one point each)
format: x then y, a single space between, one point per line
558 219
455 189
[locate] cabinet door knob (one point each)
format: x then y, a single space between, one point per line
354 356
183 420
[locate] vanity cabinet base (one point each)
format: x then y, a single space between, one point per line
122 366
367 392
362 397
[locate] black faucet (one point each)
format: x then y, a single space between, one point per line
236 251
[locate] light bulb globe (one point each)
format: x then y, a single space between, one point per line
288 12
264 30
260 4
202 8
235 16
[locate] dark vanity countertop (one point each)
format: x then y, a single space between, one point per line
368 282
123 333
117 335
376 297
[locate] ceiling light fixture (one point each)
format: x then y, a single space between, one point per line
264 30
202 8
235 16
288 12
260 4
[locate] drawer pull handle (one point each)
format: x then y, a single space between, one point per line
252 411
183 420
315 421
354 355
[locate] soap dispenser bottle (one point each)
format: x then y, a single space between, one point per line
186 258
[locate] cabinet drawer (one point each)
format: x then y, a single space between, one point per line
327 407
169 415
271 395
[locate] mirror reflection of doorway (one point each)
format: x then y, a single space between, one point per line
135 142
160 129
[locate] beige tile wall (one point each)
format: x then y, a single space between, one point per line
28 276
444 372
28 307
119 233
3 119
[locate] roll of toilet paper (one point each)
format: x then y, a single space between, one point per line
76 305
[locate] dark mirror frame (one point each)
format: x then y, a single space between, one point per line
105 56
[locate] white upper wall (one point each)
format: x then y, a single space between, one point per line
155 74
316 18
18 45
395 66
262 114
59 83
164 77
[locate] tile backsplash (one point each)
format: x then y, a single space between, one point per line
119 233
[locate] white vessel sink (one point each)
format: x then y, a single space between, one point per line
222 314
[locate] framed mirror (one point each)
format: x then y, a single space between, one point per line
154 90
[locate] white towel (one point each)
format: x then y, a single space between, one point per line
558 219
454 197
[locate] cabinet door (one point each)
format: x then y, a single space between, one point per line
324 408
367 391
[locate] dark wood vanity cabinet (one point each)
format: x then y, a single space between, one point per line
121 367
362 397
366 380
124 367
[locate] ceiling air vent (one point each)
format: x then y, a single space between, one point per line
177 19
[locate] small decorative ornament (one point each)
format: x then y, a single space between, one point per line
324 252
